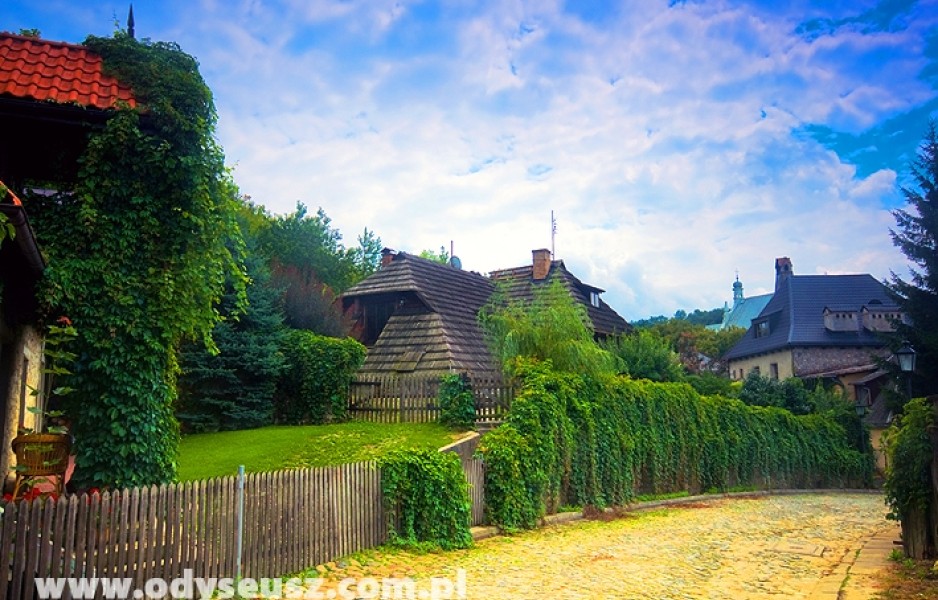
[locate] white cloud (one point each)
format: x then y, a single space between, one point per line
661 137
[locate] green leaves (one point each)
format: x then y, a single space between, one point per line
908 478
552 327
313 389
140 248
427 499
457 403
574 440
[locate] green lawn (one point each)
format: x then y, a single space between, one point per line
282 447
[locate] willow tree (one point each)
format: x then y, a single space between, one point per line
552 326
140 249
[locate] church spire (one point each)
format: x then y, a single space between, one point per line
737 291
130 21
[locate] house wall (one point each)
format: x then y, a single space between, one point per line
739 369
876 440
811 361
21 364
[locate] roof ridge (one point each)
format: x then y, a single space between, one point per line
29 38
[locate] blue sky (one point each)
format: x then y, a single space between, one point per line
676 142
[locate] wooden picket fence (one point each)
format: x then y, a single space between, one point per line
414 398
474 470
292 520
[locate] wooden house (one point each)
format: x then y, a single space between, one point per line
421 317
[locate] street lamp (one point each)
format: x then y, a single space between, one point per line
906 357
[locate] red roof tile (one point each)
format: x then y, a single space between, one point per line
36 69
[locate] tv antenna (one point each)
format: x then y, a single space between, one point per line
553 235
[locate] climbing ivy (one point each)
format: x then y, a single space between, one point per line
427 499
574 440
140 248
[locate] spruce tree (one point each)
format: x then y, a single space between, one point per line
234 389
916 234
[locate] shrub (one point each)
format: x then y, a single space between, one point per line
909 488
457 403
314 388
427 499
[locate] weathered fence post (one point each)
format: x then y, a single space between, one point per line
239 545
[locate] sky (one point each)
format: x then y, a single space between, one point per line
677 143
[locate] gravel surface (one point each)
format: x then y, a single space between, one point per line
761 547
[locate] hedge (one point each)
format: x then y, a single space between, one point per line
571 440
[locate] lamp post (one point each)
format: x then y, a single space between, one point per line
906 358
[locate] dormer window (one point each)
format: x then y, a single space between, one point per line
594 299
761 328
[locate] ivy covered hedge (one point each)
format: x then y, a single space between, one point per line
427 499
140 248
314 387
572 440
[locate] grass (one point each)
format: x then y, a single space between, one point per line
207 455
908 579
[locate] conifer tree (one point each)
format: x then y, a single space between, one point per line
916 234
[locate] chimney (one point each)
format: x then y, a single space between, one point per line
387 255
541 264
783 271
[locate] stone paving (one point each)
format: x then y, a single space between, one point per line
788 546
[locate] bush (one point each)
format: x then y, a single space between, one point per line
457 403
909 488
427 499
314 387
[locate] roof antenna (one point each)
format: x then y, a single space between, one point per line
553 235
130 21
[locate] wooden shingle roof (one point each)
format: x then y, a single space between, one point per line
519 284
446 335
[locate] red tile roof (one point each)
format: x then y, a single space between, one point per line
35 69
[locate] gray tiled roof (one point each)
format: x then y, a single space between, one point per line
519 284
796 314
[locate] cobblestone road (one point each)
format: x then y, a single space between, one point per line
763 547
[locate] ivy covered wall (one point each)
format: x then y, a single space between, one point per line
569 440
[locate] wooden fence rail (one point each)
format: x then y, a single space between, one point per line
293 520
414 398
474 470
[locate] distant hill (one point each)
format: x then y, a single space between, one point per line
698 317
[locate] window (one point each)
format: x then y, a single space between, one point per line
762 328
757 370
773 371
594 299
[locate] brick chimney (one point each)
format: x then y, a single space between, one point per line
541 264
387 255
783 270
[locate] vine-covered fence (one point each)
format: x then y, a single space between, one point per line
292 520
414 398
